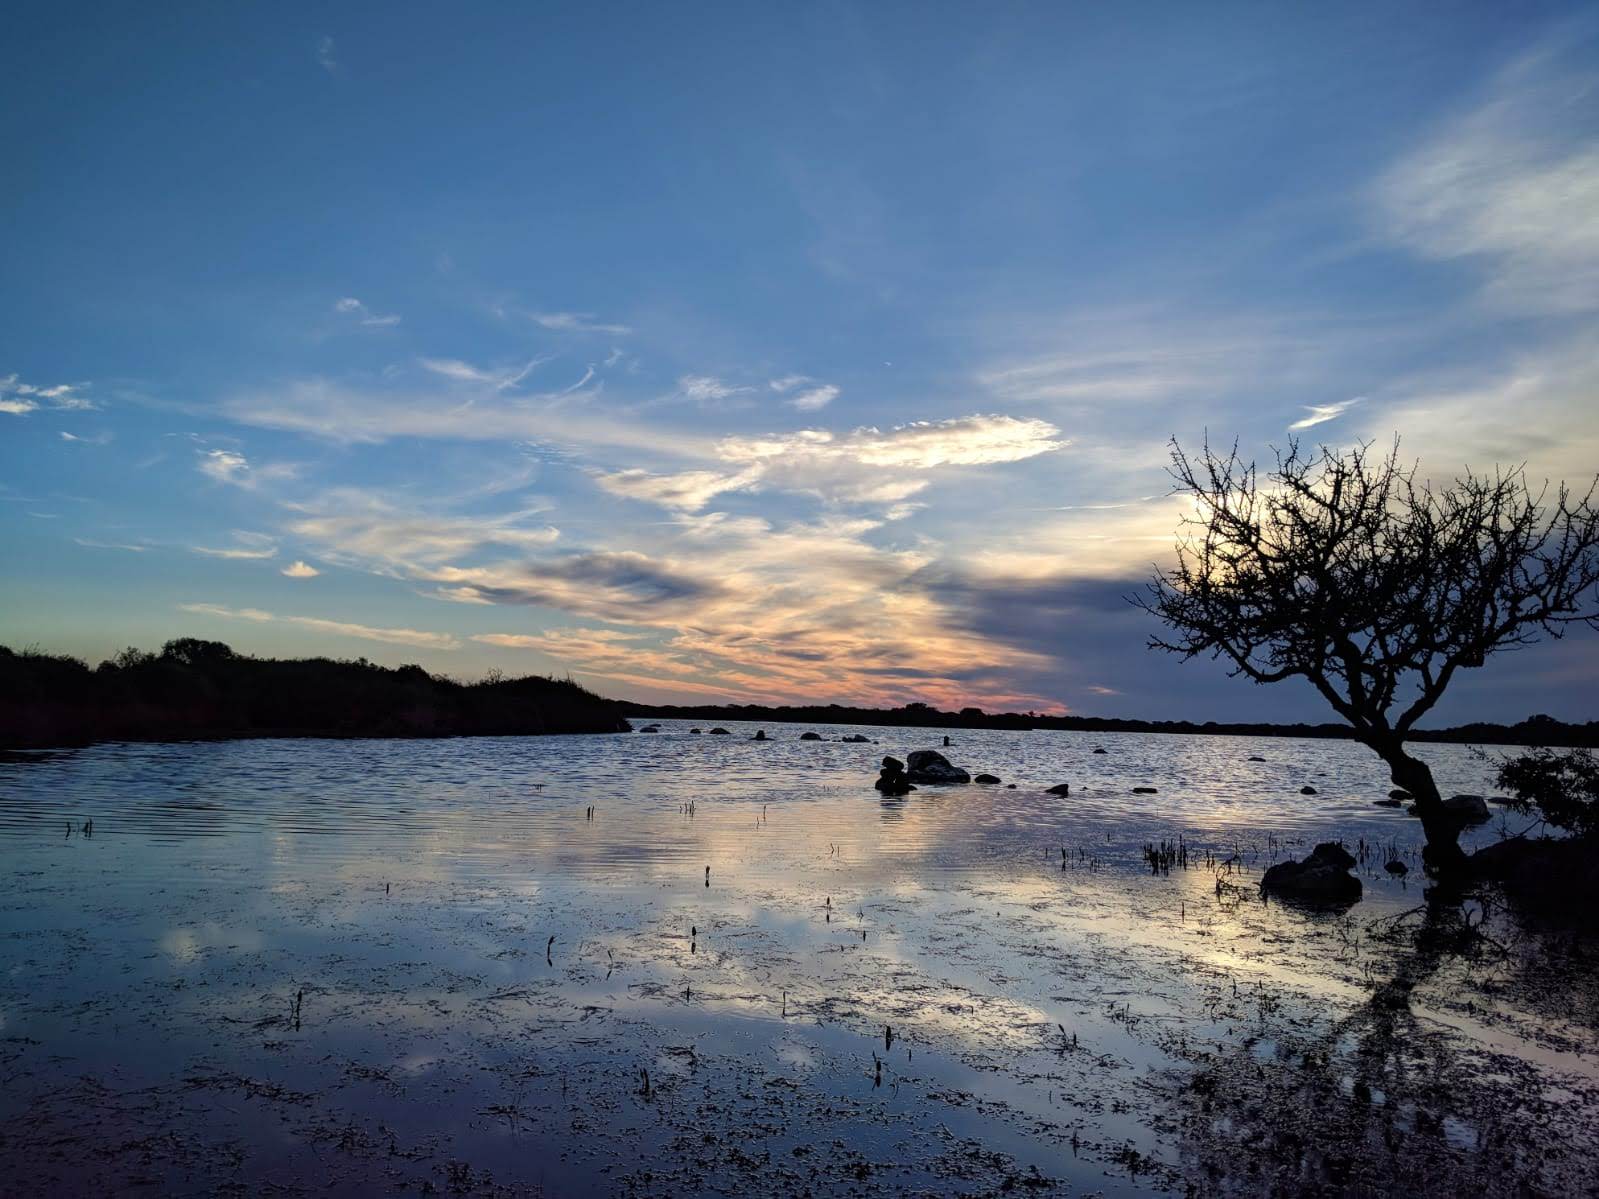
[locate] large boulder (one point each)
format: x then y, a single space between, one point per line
930 766
1322 878
986 778
1061 789
1467 809
810 736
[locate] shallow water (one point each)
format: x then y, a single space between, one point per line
303 964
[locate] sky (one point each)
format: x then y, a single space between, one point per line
766 352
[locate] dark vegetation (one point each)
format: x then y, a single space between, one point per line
1535 730
1348 571
202 689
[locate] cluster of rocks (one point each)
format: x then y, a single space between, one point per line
893 781
1322 878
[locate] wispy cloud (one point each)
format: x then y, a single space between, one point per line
1513 184
364 527
1320 414
352 307
18 398
109 545
708 389
324 54
689 490
577 322
464 372
103 437
251 546
412 637
300 569
813 399
234 469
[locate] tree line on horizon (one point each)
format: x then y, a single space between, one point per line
193 689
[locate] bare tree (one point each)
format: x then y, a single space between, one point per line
1346 570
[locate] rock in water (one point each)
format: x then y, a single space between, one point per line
1061 789
1256 758
721 732
856 739
930 766
1388 803
1099 749
1468 809
893 780
810 736
1323 877
986 778
1308 791
1144 791
1399 794
760 734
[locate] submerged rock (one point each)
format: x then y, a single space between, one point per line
1145 791
1060 789
1307 790
1256 758
810 736
1099 749
930 766
1388 803
721 733
986 778
1323 877
694 730
856 739
650 728
760 735
1400 794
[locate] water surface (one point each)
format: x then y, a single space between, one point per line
299 963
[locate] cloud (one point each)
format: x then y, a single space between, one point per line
109 545
788 383
252 546
347 415
412 637
707 389
1512 185
351 524
299 569
689 491
1320 414
324 54
234 469
465 372
611 585
815 398
576 322
18 398
976 440
350 306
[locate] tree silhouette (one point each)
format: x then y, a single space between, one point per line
1344 569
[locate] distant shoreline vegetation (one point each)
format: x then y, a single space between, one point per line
1535 730
202 690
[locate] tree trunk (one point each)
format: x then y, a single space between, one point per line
1442 854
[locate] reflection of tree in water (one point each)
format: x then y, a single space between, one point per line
1386 1101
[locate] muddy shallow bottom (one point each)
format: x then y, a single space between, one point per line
303 967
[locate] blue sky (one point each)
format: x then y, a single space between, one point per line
758 352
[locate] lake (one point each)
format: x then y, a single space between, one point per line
679 964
